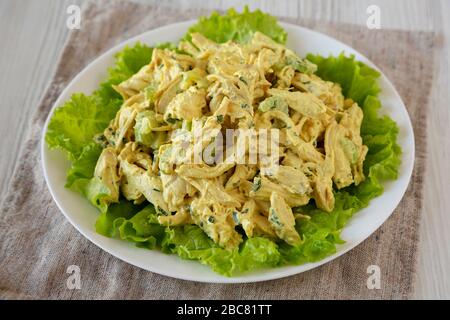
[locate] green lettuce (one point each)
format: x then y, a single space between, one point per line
356 78
238 26
188 241
74 125
82 169
107 222
142 229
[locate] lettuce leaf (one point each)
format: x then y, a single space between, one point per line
142 229
74 124
238 26
356 79
82 169
188 242
384 156
258 253
107 223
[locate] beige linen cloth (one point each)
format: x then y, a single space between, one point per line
37 243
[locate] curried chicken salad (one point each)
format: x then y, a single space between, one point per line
229 148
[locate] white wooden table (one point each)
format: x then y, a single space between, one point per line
33 32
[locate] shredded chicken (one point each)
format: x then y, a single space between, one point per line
151 153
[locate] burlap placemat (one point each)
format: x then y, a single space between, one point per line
37 243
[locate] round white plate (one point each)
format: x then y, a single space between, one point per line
82 214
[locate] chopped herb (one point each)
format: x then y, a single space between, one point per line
301 65
211 219
101 140
274 102
161 66
274 218
150 92
160 211
256 184
157 190
243 80
235 217
245 211
219 118
244 106
171 120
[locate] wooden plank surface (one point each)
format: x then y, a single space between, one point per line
33 32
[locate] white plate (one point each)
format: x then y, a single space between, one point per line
82 214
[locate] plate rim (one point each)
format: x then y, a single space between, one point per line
272 275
